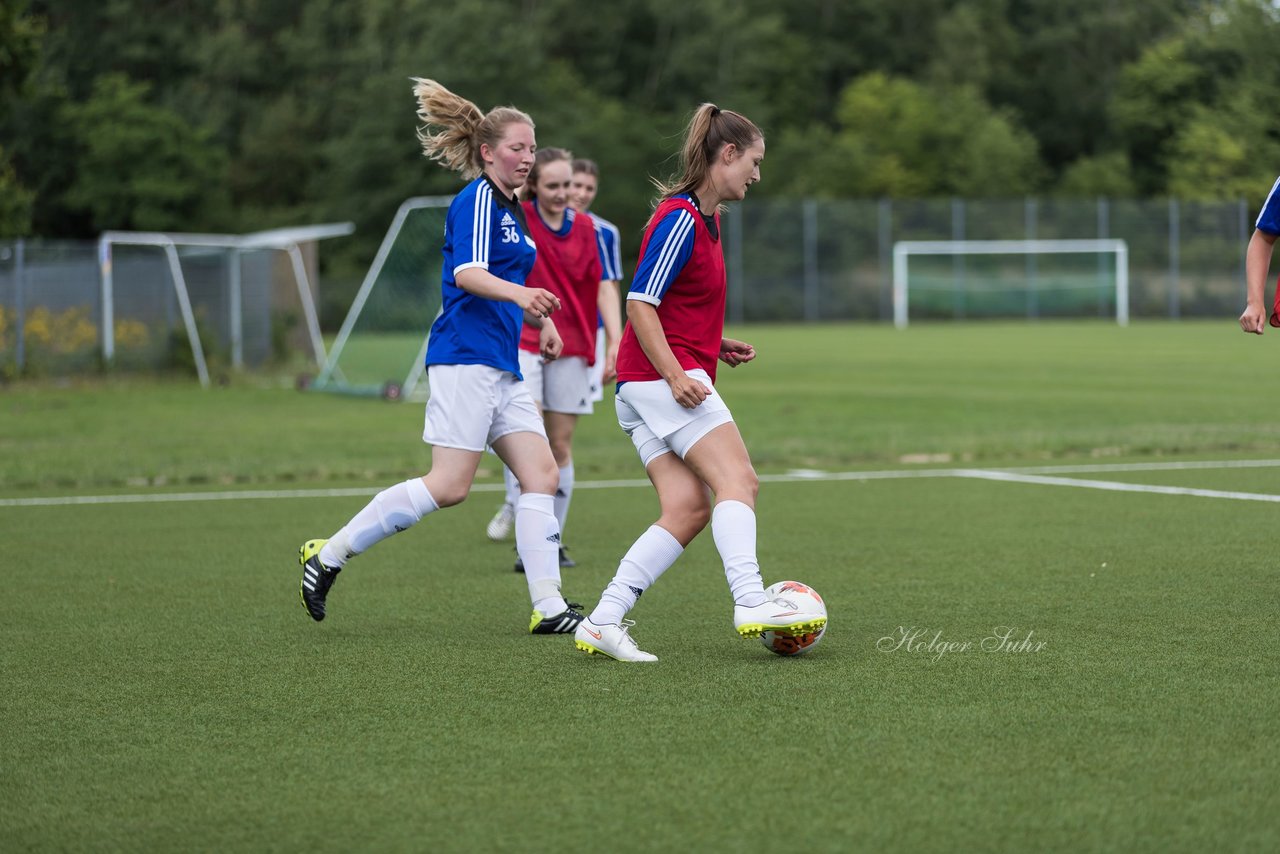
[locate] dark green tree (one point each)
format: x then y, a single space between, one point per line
141 166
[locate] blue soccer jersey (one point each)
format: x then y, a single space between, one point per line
483 229
610 247
1269 219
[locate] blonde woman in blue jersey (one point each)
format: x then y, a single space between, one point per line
478 396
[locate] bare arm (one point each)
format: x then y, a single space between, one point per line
536 302
610 311
1257 262
643 317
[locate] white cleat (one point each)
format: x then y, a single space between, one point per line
611 640
501 524
777 615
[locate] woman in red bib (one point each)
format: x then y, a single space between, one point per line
666 398
570 266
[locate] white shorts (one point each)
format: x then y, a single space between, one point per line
657 424
560 386
597 370
475 405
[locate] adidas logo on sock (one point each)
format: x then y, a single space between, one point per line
554 538
635 590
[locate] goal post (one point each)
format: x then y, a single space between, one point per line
381 345
904 250
231 249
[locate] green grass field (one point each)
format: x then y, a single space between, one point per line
165 691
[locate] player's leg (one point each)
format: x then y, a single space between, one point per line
458 418
560 427
392 510
537 532
720 459
685 510
504 518
566 392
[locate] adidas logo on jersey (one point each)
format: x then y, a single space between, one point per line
507 219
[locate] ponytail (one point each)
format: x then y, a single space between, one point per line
710 129
461 127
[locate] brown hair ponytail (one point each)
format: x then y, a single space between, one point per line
710 129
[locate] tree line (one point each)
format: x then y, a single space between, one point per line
237 115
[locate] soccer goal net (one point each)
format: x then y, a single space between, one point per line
1010 278
382 344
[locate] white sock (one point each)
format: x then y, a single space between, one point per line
538 542
564 494
733 525
644 562
513 487
394 509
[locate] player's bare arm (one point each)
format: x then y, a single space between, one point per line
482 283
643 317
610 312
1256 264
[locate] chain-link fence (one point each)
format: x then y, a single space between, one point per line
69 306
788 260
807 260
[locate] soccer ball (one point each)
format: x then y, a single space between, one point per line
807 597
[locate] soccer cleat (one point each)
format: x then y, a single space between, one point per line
613 641
566 562
776 615
316 578
501 524
560 624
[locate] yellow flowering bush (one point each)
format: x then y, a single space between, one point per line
65 332
131 334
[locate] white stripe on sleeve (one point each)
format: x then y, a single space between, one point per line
482 218
670 250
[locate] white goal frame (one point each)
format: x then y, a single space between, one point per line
286 240
904 249
330 377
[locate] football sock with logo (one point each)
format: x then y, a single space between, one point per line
641 566
733 526
513 487
538 542
395 508
564 494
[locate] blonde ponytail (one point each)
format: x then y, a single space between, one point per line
461 128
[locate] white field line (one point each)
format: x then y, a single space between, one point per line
1114 486
1033 475
1122 467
